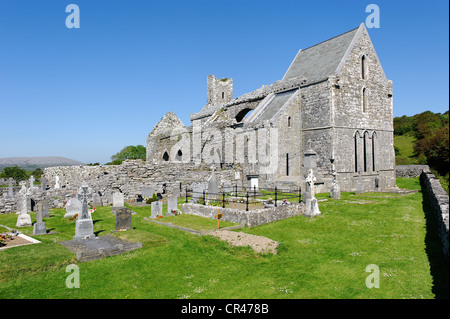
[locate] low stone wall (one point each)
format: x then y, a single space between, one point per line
250 218
410 170
439 203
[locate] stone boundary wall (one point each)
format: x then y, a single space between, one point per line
251 218
440 205
410 170
131 176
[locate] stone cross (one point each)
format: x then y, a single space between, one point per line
32 179
310 179
84 195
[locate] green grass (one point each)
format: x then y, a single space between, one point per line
405 145
322 257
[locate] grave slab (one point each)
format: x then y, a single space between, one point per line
99 247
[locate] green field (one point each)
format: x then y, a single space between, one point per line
322 257
405 145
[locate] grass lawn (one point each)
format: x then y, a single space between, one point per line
405 144
322 257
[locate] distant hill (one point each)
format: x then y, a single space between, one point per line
31 163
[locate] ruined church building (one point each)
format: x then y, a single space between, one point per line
332 112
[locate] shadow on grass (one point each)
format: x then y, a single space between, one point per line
433 247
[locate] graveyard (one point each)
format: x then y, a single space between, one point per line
322 256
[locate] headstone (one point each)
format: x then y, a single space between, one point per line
227 187
39 226
156 209
147 191
44 183
176 191
45 208
24 219
360 185
32 179
172 204
239 185
22 199
57 182
97 200
10 188
118 203
84 227
311 204
73 207
213 187
123 219
197 191
335 191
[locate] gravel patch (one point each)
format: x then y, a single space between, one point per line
259 244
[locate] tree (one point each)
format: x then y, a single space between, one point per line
15 172
129 152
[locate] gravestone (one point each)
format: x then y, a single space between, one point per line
118 202
73 207
99 247
24 219
84 227
197 191
39 226
147 191
97 200
44 183
239 185
45 208
10 188
57 186
213 187
172 204
123 219
360 185
227 187
311 204
22 199
156 209
335 191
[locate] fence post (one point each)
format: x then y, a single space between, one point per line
276 196
223 199
246 208
204 198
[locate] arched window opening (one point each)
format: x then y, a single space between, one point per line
223 95
366 135
363 67
287 164
364 100
179 156
289 121
356 151
374 135
166 157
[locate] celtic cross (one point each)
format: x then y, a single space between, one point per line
84 195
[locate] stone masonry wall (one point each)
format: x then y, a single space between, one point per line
250 218
132 175
440 205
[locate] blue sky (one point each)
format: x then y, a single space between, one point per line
86 93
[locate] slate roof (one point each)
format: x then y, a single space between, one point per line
273 107
321 60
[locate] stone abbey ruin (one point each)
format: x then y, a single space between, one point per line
332 113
